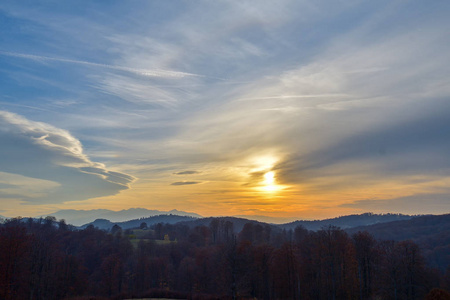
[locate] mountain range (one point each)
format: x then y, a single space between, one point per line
192 220
81 217
168 219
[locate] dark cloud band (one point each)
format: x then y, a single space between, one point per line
185 183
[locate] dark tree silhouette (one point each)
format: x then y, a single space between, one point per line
47 259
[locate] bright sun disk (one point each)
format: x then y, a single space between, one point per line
269 178
269 182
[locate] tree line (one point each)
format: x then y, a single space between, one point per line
46 259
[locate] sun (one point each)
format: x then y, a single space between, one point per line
262 166
269 184
269 178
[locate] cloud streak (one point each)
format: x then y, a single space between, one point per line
188 172
143 72
185 183
41 151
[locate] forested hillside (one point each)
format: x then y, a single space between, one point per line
430 233
45 259
236 223
348 221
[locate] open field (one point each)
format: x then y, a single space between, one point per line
137 235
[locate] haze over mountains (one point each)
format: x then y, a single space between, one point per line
105 224
84 217
131 218
267 219
81 217
193 220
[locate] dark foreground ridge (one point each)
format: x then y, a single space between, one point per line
223 258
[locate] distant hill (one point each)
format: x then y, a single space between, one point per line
193 220
238 223
345 222
169 219
416 228
80 217
431 233
267 219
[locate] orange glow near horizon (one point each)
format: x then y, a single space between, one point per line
253 187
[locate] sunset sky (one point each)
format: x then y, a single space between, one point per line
294 109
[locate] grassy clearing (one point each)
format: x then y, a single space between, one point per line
137 235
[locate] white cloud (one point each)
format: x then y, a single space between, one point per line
41 151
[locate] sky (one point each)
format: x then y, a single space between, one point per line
288 109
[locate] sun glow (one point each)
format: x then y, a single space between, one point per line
269 184
262 177
269 178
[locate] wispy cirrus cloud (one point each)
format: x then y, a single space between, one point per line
41 151
142 72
